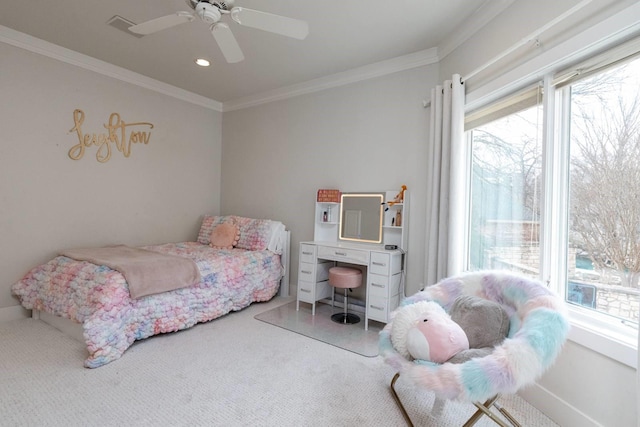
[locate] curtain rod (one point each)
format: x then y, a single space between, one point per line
533 37
427 103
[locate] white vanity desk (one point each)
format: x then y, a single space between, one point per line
369 222
383 272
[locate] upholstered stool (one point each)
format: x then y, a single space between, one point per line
345 278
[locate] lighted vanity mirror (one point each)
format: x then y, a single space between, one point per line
361 217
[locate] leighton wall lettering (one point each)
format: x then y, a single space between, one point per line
120 135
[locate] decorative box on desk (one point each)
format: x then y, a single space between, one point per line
332 196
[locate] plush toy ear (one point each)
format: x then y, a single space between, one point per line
418 345
423 330
404 320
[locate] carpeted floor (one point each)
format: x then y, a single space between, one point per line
233 371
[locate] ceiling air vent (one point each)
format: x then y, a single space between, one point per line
123 24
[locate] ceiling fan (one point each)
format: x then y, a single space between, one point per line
212 12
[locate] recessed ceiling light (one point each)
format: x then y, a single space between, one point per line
202 62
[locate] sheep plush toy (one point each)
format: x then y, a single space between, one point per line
425 331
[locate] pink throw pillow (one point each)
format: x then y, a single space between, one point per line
224 236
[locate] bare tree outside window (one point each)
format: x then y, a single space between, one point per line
505 193
605 173
603 259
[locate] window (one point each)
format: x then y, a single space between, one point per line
603 250
566 207
506 171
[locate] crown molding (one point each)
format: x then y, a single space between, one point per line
42 47
485 13
377 69
481 17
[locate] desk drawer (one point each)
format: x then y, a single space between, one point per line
379 308
384 286
306 291
307 253
310 272
353 256
380 263
386 263
312 292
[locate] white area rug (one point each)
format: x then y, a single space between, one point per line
320 327
233 371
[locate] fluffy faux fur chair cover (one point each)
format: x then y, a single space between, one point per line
538 330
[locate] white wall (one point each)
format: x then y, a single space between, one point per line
49 202
584 388
367 136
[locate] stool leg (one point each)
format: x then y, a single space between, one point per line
346 303
333 296
345 317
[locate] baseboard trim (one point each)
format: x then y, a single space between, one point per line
15 312
560 411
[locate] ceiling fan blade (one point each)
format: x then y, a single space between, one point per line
162 23
227 42
269 22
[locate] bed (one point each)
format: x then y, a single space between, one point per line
94 301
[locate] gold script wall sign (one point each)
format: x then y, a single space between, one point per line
116 134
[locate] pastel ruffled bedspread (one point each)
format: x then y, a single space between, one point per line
538 329
98 297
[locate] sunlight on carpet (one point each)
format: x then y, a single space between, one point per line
320 327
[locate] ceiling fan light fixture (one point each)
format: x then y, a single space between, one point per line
208 12
211 11
202 62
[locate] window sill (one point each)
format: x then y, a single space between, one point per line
609 337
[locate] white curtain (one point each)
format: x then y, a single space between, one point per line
446 186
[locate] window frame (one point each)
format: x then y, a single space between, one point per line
596 331
592 329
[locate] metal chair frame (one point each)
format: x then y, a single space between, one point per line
535 312
483 409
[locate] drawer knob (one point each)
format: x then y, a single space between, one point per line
305 271
377 285
307 253
305 290
341 253
381 264
376 307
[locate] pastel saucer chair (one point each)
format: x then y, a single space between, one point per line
538 329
